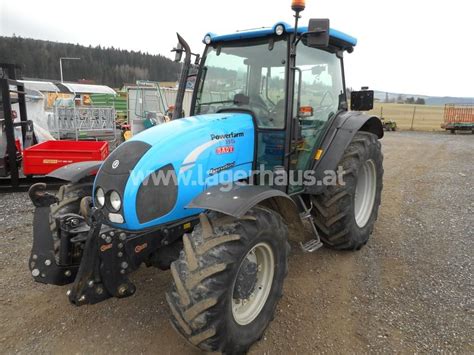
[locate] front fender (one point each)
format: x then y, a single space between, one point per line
236 200
76 171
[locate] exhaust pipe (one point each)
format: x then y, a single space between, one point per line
178 107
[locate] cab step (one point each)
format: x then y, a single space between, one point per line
315 243
311 245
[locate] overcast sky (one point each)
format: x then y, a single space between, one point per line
407 46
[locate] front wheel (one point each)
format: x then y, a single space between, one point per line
345 214
228 280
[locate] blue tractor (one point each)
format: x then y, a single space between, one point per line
217 196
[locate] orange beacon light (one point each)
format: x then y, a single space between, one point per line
298 5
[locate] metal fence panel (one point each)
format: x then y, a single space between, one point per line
83 122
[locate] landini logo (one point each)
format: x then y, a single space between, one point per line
115 164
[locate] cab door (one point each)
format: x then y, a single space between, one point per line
322 96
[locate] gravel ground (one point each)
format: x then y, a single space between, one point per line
409 290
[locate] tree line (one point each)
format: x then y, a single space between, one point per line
107 66
401 99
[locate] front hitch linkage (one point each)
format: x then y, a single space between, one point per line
104 266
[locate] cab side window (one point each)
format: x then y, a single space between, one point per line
321 93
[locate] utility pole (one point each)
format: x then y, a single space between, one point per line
61 65
413 118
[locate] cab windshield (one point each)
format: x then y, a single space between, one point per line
250 76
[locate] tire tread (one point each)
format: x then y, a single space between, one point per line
333 212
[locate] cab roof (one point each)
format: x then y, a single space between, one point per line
338 38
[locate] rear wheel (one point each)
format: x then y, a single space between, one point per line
345 214
228 280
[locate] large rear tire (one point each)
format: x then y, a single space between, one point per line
228 280
345 214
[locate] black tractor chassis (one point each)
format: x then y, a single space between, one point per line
95 257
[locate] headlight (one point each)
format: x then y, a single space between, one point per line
207 39
99 197
279 30
115 201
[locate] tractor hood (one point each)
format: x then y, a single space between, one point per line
159 171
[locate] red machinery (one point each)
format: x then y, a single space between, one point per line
43 158
458 117
37 159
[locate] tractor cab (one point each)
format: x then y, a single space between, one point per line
291 80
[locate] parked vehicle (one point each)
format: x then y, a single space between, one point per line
388 125
458 118
184 195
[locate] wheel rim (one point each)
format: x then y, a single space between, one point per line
365 193
246 310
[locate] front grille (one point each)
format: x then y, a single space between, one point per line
157 194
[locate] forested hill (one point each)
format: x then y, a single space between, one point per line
108 66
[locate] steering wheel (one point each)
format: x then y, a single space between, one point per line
263 115
258 102
279 107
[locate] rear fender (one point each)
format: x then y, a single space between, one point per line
237 200
336 140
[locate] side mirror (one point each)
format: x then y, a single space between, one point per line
178 53
362 100
318 33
